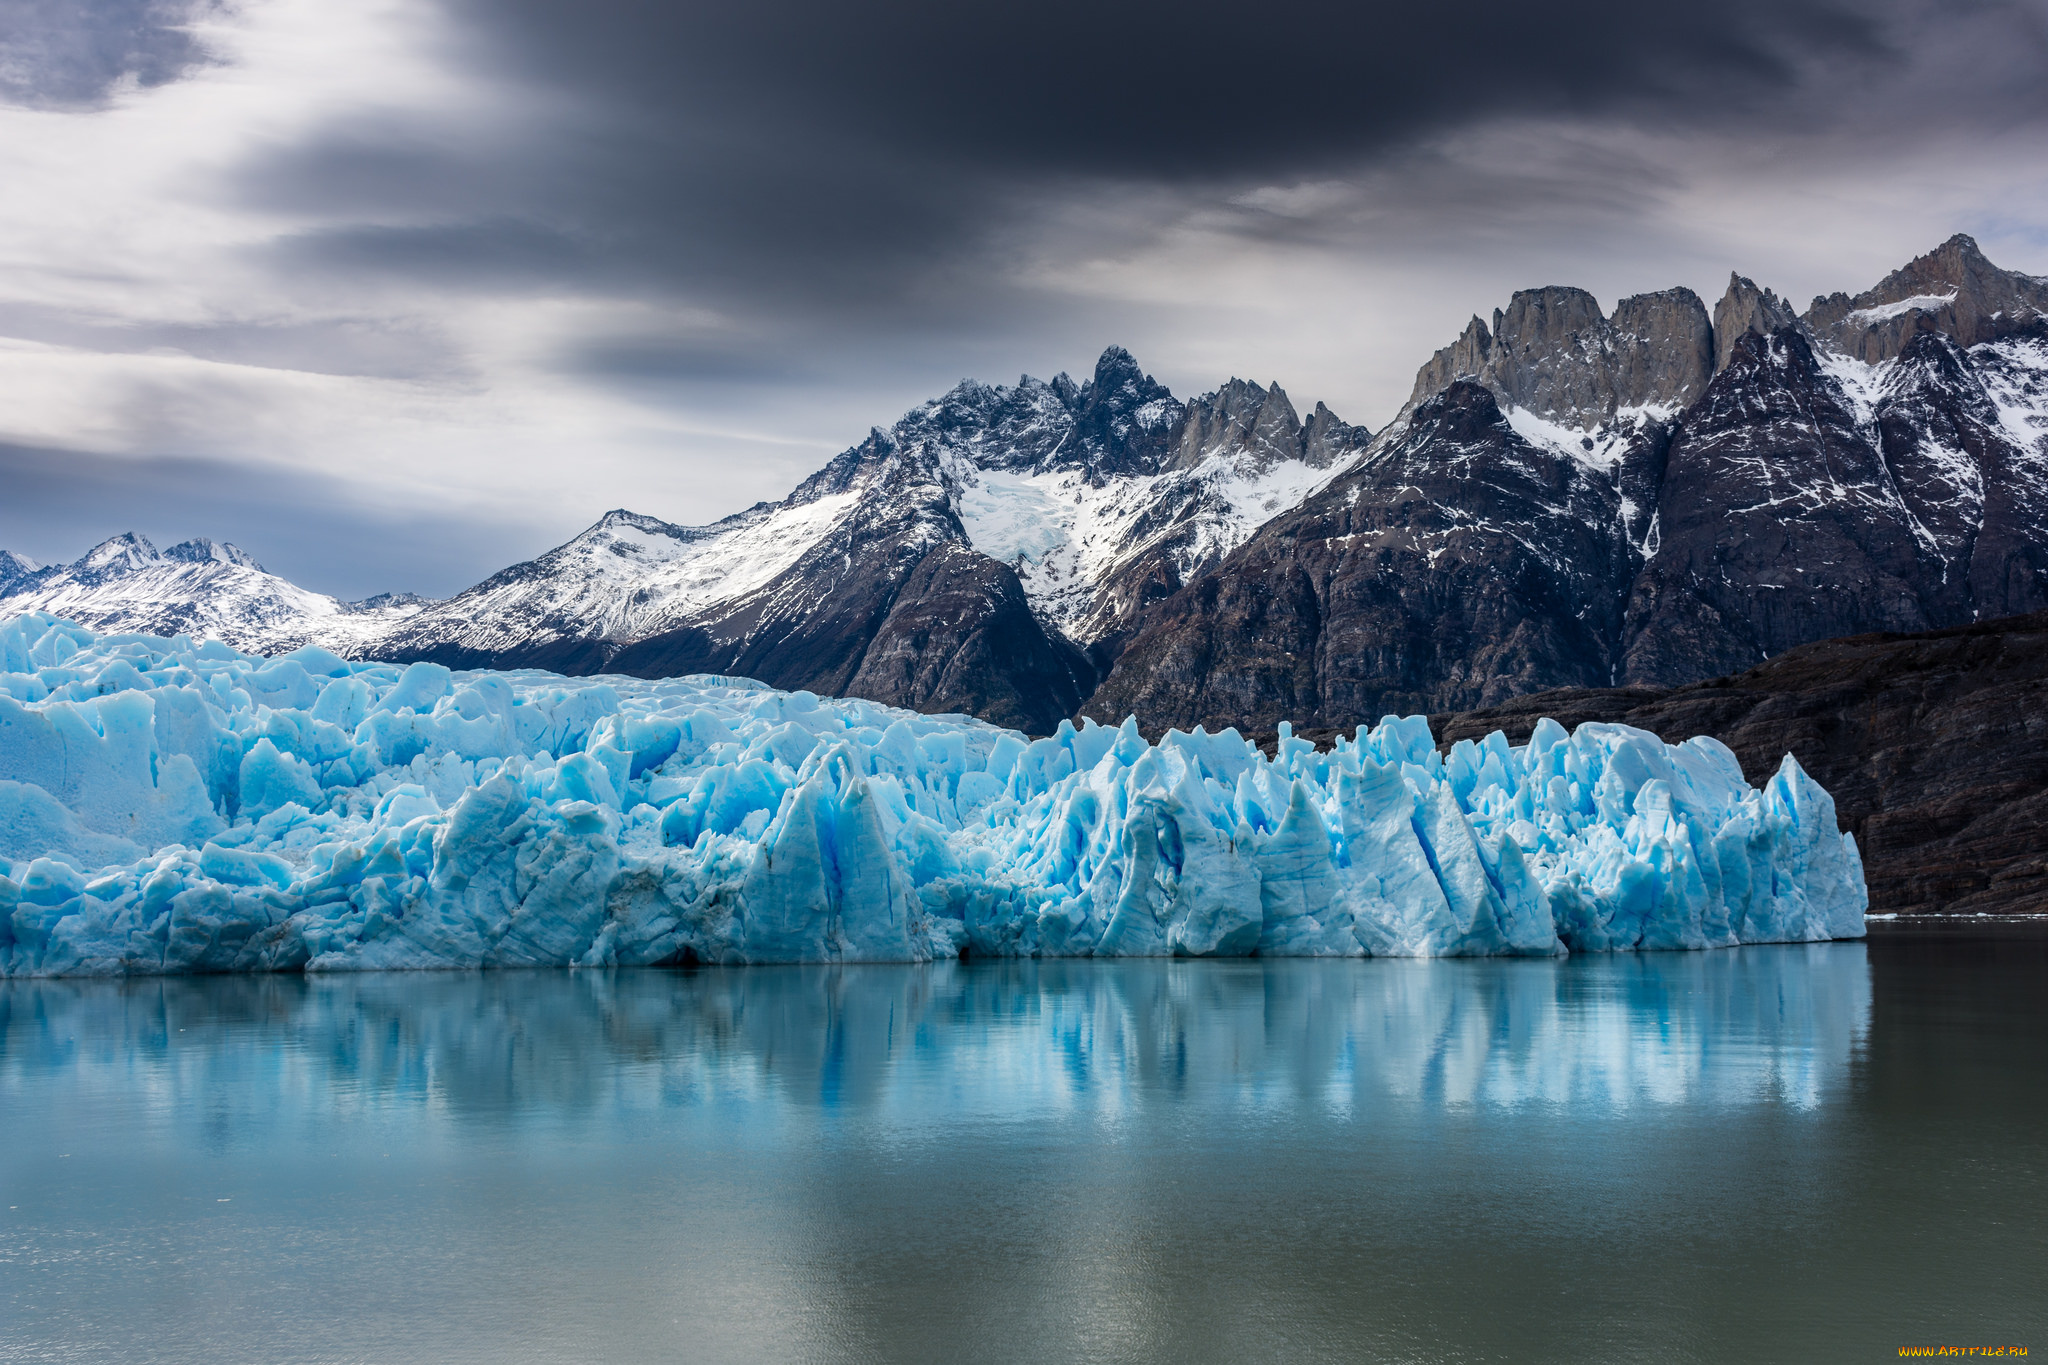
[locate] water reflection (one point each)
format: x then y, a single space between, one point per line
1791 1152
986 1041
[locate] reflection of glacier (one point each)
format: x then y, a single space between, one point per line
997 1041
166 808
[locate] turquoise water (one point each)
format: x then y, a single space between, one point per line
1786 1153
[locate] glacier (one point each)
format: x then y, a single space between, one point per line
169 806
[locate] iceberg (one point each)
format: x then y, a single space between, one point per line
171 807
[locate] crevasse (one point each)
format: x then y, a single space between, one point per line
172 807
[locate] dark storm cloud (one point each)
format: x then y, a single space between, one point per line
798 161
71 53
1196 88
310 528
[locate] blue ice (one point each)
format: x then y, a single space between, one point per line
167 806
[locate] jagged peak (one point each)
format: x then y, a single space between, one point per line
14 565
1554 353
975 392
1746 308
1117 373
1741 286
1278 407
1952 289
1116 362
119 554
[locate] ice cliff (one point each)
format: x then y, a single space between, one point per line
172 807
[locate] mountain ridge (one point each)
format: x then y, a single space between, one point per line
1569 496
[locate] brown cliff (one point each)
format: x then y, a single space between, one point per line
1934 746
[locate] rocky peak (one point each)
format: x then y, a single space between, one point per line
1326 439
1952 289
1663 349
121 554
1124 420
1553 353
1543 319
1117 370
1240 418
200 550
1465 358
1746 310
1025 427
1761 367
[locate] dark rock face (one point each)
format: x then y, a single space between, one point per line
1778 524
889 604
1980 496
1934 746
1801 496
1454 561
1552 353
1790 511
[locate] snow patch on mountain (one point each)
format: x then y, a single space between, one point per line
2015 375
630 576
1599 448
1067 535
1863 385
1885 312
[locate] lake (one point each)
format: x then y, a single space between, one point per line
1819 1152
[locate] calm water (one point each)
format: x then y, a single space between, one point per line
1800 1153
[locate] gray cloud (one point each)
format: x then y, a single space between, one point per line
66 54
368 347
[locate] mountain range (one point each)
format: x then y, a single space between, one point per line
1569 498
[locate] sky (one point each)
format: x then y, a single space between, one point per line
394 293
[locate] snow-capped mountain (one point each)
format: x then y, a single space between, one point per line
1569 498
199 588
1579 500
988 552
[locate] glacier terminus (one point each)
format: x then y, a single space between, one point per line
171 807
